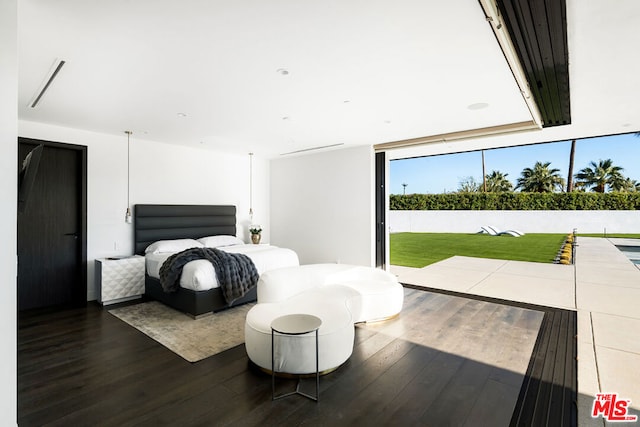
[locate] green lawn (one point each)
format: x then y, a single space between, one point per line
420 249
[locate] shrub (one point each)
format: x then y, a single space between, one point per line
516 201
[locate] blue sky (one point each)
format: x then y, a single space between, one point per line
437 174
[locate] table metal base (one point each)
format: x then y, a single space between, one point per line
297 390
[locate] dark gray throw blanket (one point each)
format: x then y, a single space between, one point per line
236 272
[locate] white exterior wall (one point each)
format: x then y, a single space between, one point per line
525 221
160 174
322 206
8 209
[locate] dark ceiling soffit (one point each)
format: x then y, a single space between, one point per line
538 30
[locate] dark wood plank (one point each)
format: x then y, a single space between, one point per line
545 390
535 393
549 394
411 405
86 367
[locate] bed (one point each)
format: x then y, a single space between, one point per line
174 223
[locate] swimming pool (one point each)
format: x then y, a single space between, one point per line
632 252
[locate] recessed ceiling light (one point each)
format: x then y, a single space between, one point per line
387 122
346 101
282 71
285 118
478 106
182 115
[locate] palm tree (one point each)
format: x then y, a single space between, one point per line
484 175
627 185
572 155
601 176
540 179
468 185
404 188
497 182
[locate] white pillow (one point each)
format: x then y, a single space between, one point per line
220 240
177 245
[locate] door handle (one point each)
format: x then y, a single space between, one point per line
75 235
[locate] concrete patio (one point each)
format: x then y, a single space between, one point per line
603 286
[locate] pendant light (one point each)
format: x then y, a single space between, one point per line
127 215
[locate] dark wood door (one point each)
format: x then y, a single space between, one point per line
51 233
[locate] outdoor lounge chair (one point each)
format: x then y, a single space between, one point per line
493 231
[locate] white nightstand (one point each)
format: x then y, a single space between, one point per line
120 279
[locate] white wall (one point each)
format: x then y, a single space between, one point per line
525 221
322 205
8 199
160 173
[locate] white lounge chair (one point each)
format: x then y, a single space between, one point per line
493 231
489 230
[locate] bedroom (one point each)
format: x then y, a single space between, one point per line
317 230
222 178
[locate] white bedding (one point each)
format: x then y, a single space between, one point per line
199 275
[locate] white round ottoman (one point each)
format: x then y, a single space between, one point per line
377 300
339 294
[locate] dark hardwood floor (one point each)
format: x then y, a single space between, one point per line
85 367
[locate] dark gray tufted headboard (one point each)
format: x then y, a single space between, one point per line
165 222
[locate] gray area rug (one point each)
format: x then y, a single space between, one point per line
192 339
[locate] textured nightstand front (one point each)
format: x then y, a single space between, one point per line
120 279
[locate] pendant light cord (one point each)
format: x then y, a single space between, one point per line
128 132
251 186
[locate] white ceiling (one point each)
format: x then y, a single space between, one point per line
359 72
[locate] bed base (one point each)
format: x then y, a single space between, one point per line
194 303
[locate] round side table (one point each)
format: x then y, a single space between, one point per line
294 324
